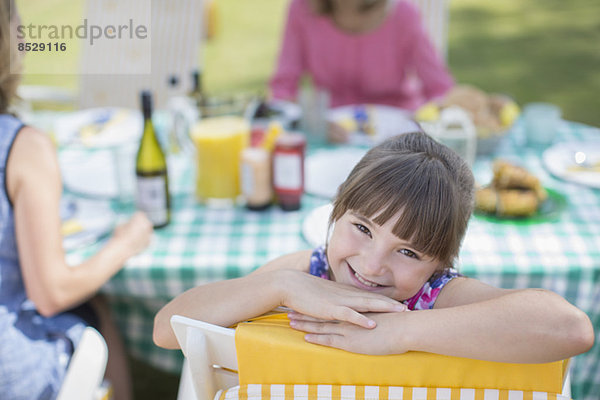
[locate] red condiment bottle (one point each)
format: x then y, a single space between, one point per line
288 170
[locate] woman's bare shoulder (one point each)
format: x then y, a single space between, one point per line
32 155
33 141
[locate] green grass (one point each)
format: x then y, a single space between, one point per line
536 50
244 51
55 12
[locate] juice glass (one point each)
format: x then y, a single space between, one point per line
219 142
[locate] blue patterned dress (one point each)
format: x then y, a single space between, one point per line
423 300
34 350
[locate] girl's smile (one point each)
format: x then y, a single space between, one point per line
363 282
370 257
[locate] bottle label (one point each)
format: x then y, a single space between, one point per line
152 198
287 171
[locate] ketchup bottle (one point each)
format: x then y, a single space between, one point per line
288 170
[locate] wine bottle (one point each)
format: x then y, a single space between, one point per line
152 196
197 93
177 124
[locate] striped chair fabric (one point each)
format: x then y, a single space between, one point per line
350 392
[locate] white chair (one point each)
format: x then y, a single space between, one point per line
211 362
175 34
112 72
210 358
86 368
435 16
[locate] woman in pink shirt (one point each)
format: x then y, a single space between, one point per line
360 52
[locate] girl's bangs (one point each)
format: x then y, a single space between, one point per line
416 191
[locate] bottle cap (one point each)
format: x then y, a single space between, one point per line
173 80
197 80
146 96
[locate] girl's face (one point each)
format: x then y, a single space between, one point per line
370 257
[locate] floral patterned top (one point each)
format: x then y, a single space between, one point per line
423 300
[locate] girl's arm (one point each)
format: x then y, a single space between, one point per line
230 301
34 187
282 282
480 321
473 320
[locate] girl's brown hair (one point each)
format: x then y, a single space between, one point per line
423 181
8 56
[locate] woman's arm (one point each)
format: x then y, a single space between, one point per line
473 320
281 282
34 187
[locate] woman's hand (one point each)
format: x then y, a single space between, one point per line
134 234
330 301
381 340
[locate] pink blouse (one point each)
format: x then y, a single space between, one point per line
375 67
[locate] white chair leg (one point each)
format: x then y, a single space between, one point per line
86 367
566 390
186 389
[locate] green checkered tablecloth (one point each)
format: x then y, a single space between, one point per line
202 244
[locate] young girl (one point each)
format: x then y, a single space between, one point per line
384 284
44 303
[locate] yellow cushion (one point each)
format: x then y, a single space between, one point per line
291 360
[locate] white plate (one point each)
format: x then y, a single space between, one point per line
314 226
559 159
99 127
110 174
325 170
386 122
94 218
94 173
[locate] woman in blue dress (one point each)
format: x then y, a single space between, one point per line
45 304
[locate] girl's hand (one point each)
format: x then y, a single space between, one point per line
381 340
326 300
134 234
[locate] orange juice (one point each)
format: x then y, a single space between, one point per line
219 142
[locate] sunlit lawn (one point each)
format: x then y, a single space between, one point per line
535 50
